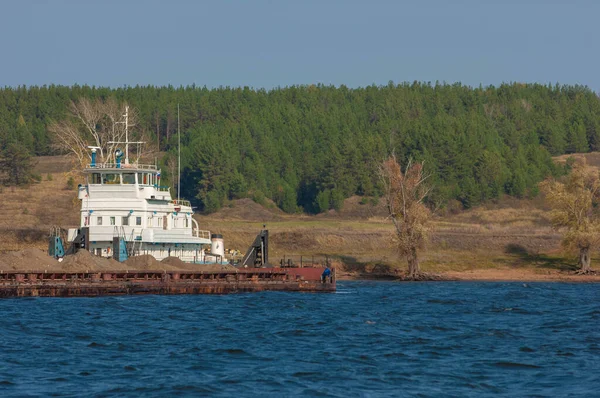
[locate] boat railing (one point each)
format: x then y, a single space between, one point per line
161 188
122 166
202 234
181 202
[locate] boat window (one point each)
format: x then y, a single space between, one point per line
99 221
96 179
111 178
112 221
125 220
187 222
141 179
138 221
128 178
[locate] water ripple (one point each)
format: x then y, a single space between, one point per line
370 339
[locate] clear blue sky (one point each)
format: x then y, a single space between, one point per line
279 43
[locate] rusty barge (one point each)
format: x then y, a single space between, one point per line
252 274
91 284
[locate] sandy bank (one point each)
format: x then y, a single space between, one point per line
492 275
521 275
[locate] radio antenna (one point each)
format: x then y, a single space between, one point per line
178 157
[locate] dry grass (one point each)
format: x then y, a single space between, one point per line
481 238
28 213
510 233
592 159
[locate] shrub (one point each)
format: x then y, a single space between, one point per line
337 199
212 202
259 197
323 201
71 183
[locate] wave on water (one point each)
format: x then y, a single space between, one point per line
368 339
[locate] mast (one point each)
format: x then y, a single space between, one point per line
126 134
178 156
126 142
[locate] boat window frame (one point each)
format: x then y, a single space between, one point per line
130 181
105 181
95 179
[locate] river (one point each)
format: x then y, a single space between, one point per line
369 339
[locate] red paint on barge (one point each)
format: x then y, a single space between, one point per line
89 284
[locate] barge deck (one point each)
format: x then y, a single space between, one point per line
109 283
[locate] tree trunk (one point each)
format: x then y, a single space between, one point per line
157 119
585 259
413 263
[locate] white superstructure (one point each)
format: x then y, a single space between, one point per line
127 201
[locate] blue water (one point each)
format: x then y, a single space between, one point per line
369 339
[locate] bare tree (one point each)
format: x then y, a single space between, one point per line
574 205
404 194
99 124
171 165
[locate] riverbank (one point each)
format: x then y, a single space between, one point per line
488 275
38 261
510 239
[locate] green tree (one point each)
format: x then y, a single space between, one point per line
577 138
287 202
16 165
323 201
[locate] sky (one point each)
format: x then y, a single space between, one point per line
268 43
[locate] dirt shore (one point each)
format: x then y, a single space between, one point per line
522 275
37 260
492 275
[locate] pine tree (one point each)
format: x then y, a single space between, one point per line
16 165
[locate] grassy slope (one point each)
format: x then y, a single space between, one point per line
511 234
27 214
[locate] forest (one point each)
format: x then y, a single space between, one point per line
308 148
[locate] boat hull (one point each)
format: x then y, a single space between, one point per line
91 284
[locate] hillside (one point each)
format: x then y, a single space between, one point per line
27 214
312 147
508 234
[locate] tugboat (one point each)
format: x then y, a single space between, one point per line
124 202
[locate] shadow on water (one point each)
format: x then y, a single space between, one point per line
527 257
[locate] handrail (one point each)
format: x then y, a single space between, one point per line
202 234
122 166
181 202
